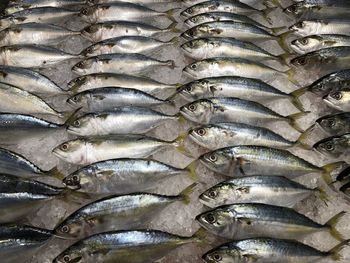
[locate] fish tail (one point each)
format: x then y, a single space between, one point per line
172 98
305 135
200 235
180 146
181 119
283 59
171 64
322 193
302 145
170 14
54 172
265 14
291 76
282 40
296 98
327 170
175 41
77 197
293 118
172 28
191 168
277 31
185 194
335 253
332 223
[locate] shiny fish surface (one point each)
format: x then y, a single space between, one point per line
334 147
13 121
334 124
339 99
318 27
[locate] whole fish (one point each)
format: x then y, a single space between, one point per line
231 86
122 176
221 135
34 33
32 56
46 15
318 27
90 150
254 220
16 100
109 98
238 30
102 31
271 190
120 246
101 80
335 147
202 48
316 42
318 9
260 160
263 250
338 99
21 239
122 120
117 212
120 63
121 11
28 80
128 44
219 17
226 66
229 109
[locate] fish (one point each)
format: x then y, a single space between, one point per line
13 121
102 31
334 147
270 190
46 15
227 66
125 11
34 33
102 80
344 175
133 64
238 30
128 44
122 176
85 151
109 98
319 27
231 86
117 212
221 135
219 17
32 56
338 99
250 220
21 239
150 245
264 249
316 42
145 2
261 160
230 109
122 120
28 80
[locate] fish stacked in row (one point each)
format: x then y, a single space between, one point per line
231 100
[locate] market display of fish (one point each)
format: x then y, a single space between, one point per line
144 106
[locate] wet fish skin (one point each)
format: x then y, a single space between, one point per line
221 135
271 190
151 245
338 99
119 63
318 27
335 124
120 176
101 80
13 121
109 98
335 146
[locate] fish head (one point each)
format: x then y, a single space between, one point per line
82 125
196 68
69 229
199 111
295 10
219 161
198 46
72 181
78 100
332 147
73 254
198 19
302 28
308 43
204 134
88 13
304 61
332 124
93 2
69 150
77 82
196 90
216 195
83 66
188 12
225 254
92 32
91 50
338 99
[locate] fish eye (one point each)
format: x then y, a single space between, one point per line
189 10
337 95
80 64
304 41
192 107
64 147
329 147
212 194
65 229
89 50
66 258
302 61
299 25
84 11
213 158
217 257
75 98
193 66
194 19
189 88
75 178
201 131
191 44
3 13
292 9
331 123
210 218
76 123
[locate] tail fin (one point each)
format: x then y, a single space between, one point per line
200 235
172 28
185 194
179 144
335 252
175 41
191 168
332 225
69 195
277 31
54 172
272 3
282 41
322 193
328 169
296 98
293 118
291 76
303 137
266 14
170 14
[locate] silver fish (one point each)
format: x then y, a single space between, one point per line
271 190
334 147
109 98
128 44
255 220
117 212
91 150
318 27
101 80
13 121
145 2
150 245
34 33
32 56
120 63
339 99
334 124
121 176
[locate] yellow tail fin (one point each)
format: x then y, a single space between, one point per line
293 118
185 194
180 146
191 168
328 169
335 252
170 14
54 172
200 235
296 98
332 225
282 41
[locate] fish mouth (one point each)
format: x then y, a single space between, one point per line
73 130
186 35
185 14
188 73
57 152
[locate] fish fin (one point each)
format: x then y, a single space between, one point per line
283 59
172 28
181 119
293 118
303 137
335 252
70 195
290 74
331 223
185 194
302 145
179 144
191 168
265 14
327 170
170 14
296 98
282 41
322 193
70 117
277 31
200 235
54 172
171 64
175 41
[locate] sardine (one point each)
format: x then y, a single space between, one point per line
13 121
120 63
271 190
94 2
334 147
339 99
318 27
122 176
255 220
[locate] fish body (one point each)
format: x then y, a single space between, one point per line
338 99
13 121
120 63
334 147
120 176
319 27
